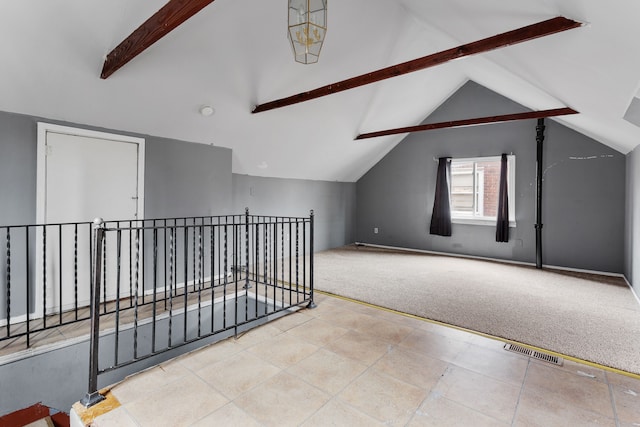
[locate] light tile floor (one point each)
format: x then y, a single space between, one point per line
346 363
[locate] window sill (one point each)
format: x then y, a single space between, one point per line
478 221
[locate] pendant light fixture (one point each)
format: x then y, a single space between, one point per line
307 28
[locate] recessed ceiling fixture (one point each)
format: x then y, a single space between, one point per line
207 110
307 28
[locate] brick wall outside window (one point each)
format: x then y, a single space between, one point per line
491 187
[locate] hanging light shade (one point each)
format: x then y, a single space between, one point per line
307 28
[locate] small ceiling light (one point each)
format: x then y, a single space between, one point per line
207 110
307 28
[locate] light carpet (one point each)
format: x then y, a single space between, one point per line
590 317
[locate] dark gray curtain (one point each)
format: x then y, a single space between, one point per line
502 226
441 216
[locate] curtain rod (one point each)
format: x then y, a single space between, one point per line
435 159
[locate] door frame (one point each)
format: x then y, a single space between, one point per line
41 184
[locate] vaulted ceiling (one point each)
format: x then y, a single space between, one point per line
234 55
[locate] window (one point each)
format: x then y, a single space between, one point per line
474 190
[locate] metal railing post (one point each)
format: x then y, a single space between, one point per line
92 397
311 304
539 159
246 248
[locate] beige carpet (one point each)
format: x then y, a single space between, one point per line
593 318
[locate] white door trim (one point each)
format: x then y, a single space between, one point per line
44 128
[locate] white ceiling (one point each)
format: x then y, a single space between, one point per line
235 54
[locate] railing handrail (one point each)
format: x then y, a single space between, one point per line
54 224
292 220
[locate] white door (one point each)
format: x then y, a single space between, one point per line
83 175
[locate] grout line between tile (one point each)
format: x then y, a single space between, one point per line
440 396
524 381
429 393
613 403
131 418
473 409
246 391
335 396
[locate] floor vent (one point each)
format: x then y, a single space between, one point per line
533 353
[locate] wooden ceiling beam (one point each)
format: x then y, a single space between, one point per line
530 32
472 122
170 16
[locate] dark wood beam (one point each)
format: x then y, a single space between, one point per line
472 122
530 32
170 16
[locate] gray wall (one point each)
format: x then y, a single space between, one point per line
333 204
632 234
583 200
181 179
18 135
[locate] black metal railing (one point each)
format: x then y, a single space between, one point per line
161 284
47 270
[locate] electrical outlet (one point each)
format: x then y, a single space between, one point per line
375 230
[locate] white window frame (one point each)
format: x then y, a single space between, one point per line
457 218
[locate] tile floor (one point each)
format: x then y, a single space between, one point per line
345 363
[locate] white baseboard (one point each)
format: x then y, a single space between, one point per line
633 291
505 261
16 319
